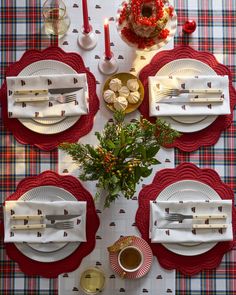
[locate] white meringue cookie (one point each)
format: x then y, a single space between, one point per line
109 96
132 84
124 91
115 84
133 97
120 103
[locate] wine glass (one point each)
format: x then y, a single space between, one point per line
56 19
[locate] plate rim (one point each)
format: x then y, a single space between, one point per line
200 248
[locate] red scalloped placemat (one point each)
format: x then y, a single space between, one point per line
188 265
189 142
79 129
70 263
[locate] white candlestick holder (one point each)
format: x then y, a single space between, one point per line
87 41
108 66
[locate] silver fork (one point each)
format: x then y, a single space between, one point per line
57 225
181 217
63 98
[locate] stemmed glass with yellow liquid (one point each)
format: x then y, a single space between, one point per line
56 19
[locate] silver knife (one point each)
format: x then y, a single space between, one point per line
64 90
41 217
193 226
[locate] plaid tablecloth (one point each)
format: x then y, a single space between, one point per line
21 29
215 33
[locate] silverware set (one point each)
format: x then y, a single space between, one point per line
174 92
181 217
61 95
177 217
58 225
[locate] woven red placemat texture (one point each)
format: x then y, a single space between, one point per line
188 265
189 142
72 262
79 129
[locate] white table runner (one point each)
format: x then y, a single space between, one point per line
120 217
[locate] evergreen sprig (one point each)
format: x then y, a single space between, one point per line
124 155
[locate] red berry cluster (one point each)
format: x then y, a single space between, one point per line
157 13
163 34
170 11
123 14
141 42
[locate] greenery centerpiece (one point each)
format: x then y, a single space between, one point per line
124 155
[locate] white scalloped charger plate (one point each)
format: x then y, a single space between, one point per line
187 67
48 125
188 190
47 252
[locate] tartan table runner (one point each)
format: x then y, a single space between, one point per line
20 29
215 33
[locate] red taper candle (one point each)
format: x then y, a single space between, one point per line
108 53
85 17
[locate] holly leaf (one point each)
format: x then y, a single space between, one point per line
154 161
137 173
110 144
145 172
152 151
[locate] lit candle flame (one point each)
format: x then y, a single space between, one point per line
106 21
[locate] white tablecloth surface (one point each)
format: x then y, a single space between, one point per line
127 58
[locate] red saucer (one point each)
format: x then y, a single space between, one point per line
147 261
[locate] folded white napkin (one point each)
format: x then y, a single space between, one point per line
176 107
78 233
163 231
50 108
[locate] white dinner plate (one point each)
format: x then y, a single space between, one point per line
48 125
47 252
187 67
188 190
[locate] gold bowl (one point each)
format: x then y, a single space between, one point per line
124 77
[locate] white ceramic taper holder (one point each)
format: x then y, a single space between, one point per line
87 41
108 66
